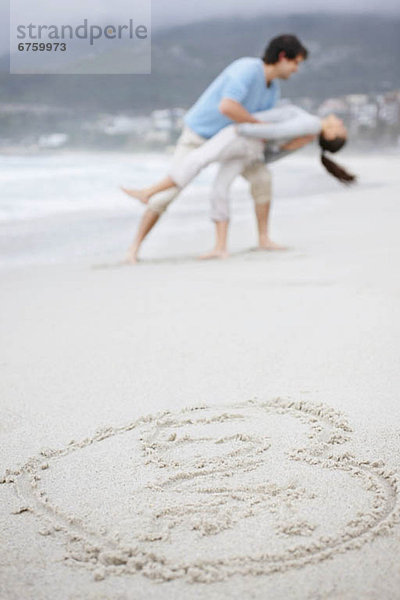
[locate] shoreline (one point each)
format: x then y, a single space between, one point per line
103 225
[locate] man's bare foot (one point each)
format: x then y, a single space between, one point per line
214 254
268 244
130 260
142 194
131 257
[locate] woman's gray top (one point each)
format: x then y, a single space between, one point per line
281 125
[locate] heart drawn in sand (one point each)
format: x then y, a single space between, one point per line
210 492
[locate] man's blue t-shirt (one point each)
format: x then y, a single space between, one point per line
243 81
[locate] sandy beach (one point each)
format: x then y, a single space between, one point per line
230 429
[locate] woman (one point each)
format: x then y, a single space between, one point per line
279 132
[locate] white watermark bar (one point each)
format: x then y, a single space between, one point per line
81 37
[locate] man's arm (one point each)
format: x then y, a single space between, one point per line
236 112
240 79
298 143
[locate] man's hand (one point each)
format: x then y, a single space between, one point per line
298 142
235 111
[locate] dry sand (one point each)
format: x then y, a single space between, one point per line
210 430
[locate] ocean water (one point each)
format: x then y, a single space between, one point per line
68 206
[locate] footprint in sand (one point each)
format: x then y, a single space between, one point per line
210 492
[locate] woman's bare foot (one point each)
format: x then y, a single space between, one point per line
141 194
214 254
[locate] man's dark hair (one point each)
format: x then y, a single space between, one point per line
289 44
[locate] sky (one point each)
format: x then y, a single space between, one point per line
176 12
179 11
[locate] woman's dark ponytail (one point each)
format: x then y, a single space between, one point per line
332 167
336 170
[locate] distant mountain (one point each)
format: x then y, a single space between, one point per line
348 54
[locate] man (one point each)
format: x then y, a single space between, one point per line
246 86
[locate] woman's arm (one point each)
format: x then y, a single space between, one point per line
284 123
